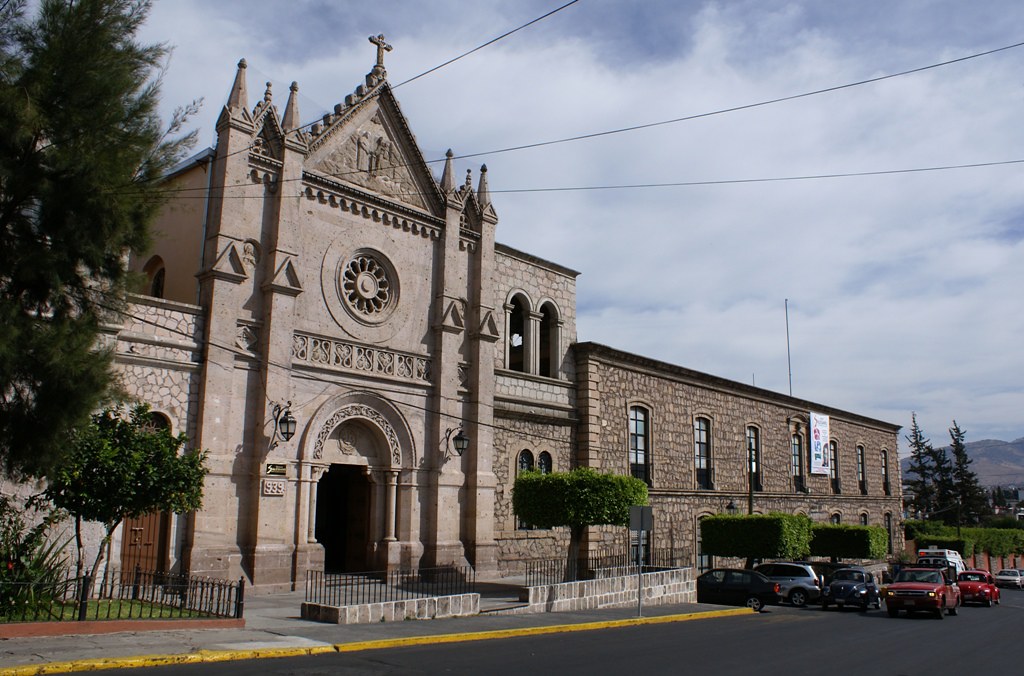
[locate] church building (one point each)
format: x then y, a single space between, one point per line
369 368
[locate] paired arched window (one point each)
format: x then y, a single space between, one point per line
533 341
639 443
703 462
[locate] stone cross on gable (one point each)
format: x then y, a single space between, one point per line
381 48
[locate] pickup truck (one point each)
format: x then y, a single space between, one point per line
922 589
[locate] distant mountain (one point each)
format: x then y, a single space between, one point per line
997 463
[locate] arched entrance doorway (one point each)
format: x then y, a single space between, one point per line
343 514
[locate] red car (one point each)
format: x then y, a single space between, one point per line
978 586
922 589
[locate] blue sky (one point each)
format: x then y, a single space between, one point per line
904 290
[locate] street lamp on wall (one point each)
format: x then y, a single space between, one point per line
284 423
460 442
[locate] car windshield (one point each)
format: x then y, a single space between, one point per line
972 577
930 576
851 575
1009 573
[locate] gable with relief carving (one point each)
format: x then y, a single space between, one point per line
371 159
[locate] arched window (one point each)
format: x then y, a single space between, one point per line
863 519
705 562
888 529
544 462
517 323
525 463
702 453
639 443
833 466
836 519
861 471
754 458
885 472
159 421
549 341
797 462
156 273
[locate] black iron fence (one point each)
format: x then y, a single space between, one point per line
599 565
348 589
121 595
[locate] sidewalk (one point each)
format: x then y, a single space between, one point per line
273 628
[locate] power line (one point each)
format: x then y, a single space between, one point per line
489 42
721 111
678 184
734 109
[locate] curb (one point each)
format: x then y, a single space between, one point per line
212 656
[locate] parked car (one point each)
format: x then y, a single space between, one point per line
736 587
852 586
978 586
1008 577
922 589
799 583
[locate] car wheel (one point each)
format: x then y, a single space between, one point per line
864 607
988 603
755 604
893 612
824 605
798 597
938 613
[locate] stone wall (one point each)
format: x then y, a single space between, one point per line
659 588
461 605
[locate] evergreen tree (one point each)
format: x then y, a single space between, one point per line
920 475
81 149
973 504
944 485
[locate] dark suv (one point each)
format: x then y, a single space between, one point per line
798 582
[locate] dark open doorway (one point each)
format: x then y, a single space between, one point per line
343 518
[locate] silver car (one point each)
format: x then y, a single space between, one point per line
798 582
1008 577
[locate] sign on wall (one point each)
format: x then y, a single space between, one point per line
819 444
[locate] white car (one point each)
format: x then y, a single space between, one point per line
1009 578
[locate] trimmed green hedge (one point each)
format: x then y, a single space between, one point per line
849 542
576 499
771 536
963 545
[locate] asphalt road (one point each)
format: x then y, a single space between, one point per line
783 641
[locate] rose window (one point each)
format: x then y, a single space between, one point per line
366 285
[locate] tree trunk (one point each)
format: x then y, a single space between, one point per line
80 560
572 562
100 555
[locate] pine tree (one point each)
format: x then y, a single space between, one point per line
920 475
81 149
973 504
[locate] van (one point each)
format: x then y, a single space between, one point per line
949 559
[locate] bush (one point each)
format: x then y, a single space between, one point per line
33 566
849 542
756 536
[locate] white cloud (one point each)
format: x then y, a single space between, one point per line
904 289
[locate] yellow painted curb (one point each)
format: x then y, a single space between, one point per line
210 656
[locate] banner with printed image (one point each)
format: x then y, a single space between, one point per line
819 444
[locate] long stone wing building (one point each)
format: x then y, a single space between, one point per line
321 277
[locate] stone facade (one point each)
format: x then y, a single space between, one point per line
342 283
